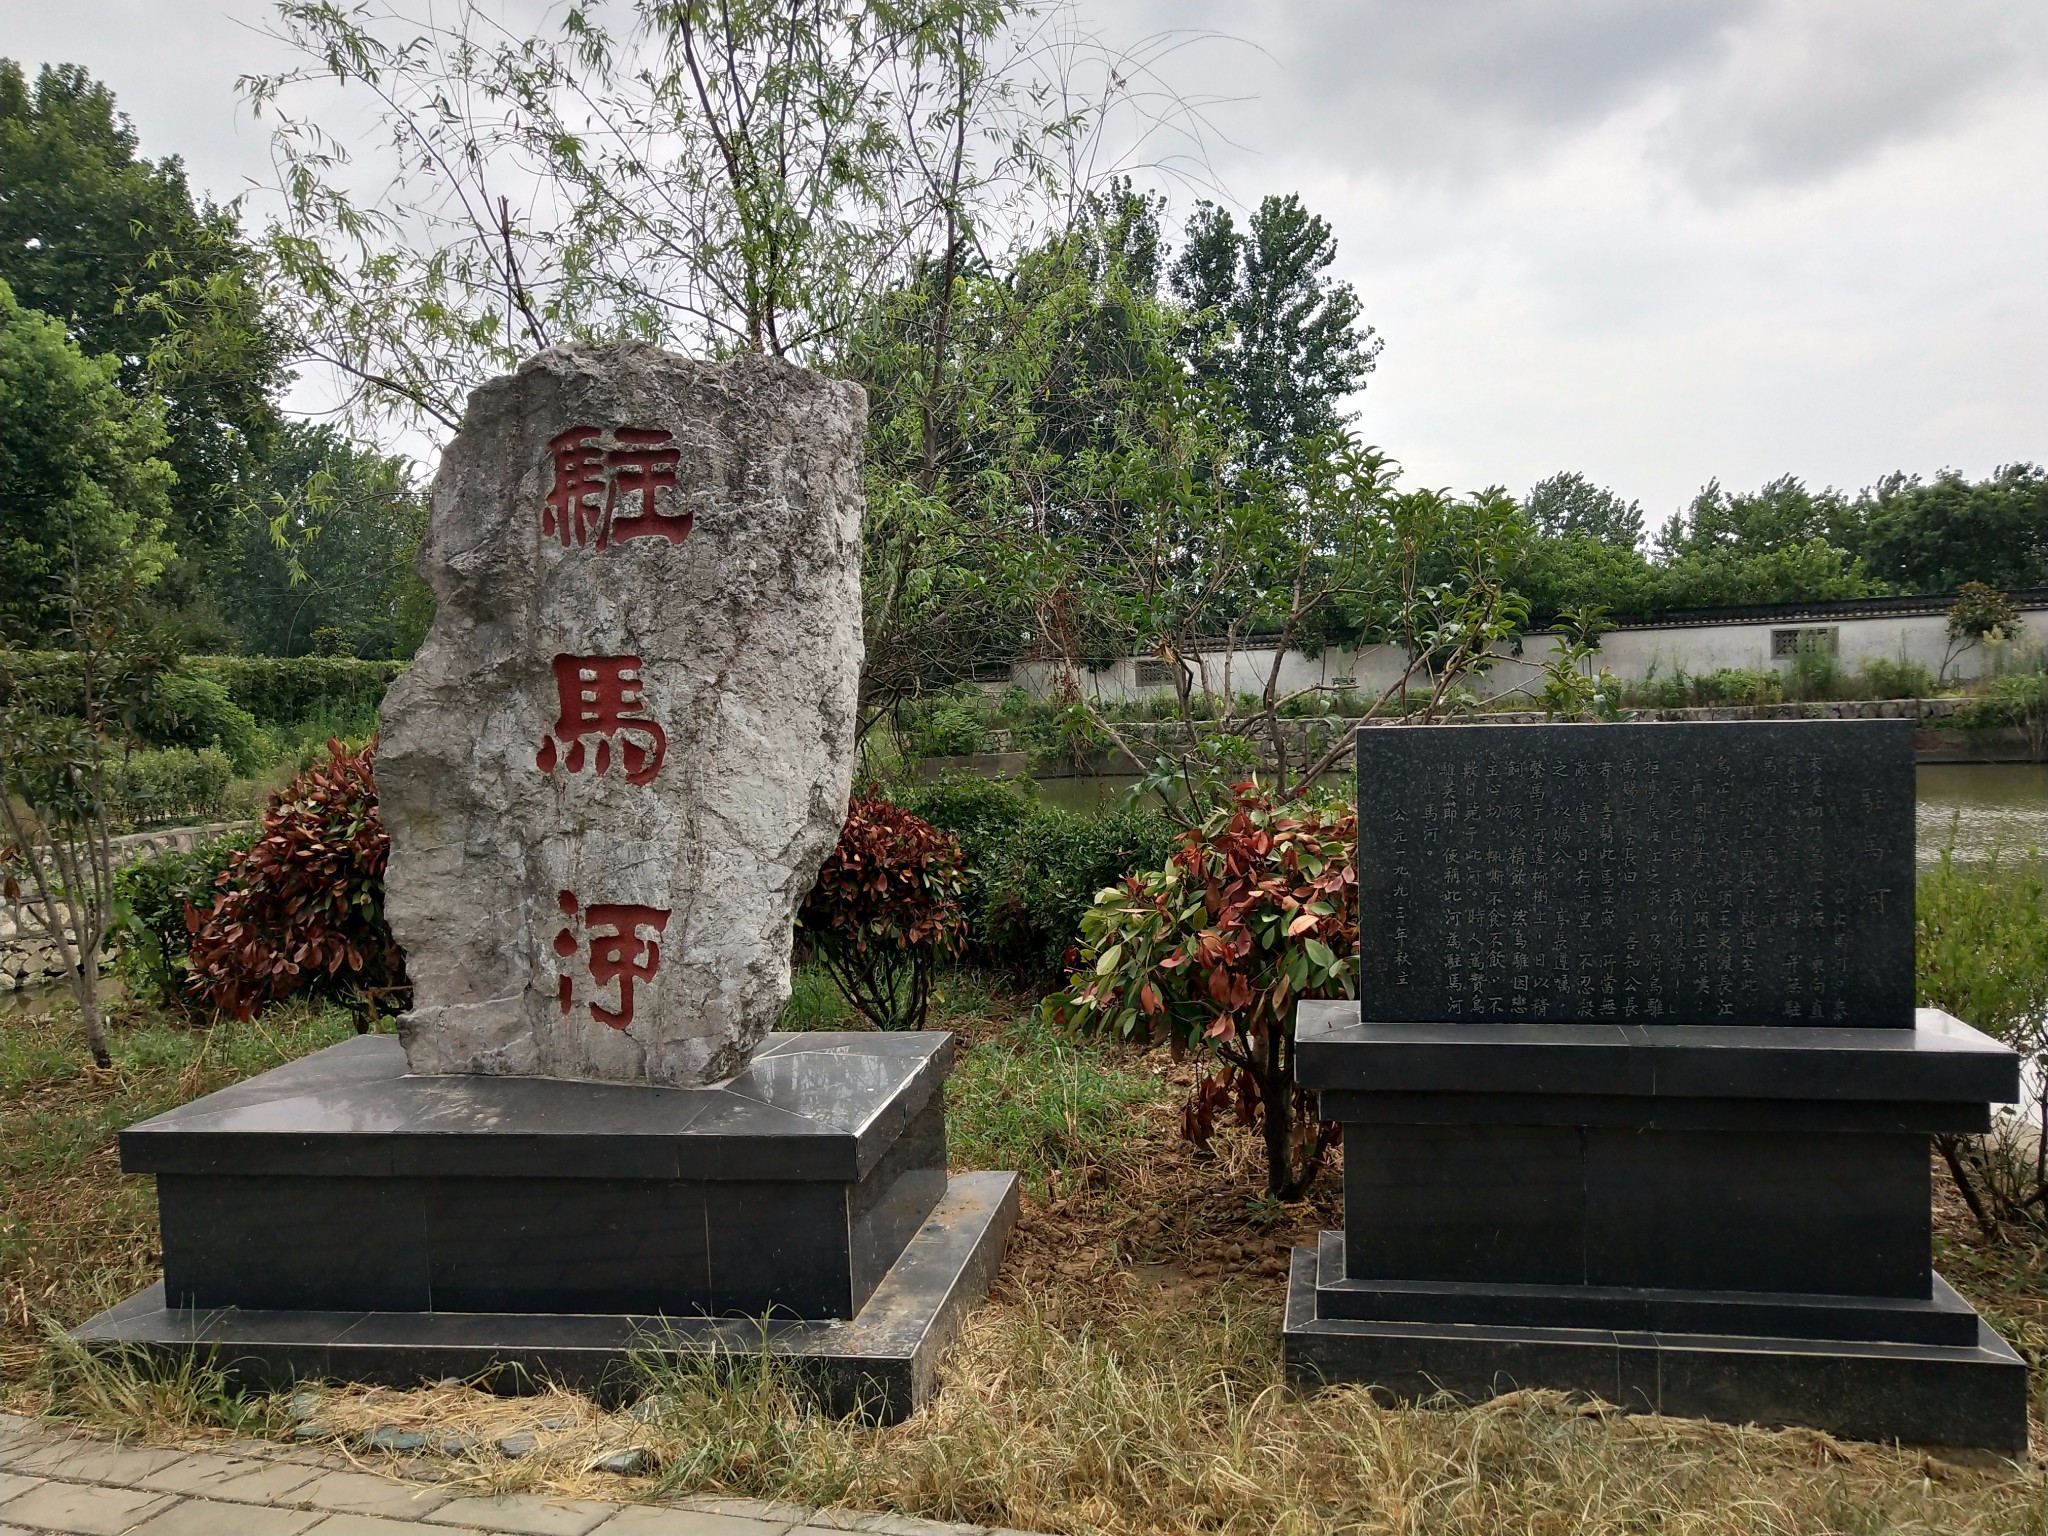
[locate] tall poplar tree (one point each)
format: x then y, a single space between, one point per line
1271 326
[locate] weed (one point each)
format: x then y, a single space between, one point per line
132 1391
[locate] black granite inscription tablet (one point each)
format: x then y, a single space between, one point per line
1725 872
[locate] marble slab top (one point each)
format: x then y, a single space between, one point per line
1940 1060
822 1105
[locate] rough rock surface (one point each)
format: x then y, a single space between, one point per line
628 741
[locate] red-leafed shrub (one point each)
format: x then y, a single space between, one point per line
304 906
885 907
1257 909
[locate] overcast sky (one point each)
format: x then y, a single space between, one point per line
1652 240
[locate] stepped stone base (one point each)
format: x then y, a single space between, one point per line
339 1217
882 1364
1951 1394
1722 1222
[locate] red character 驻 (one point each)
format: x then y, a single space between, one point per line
604 483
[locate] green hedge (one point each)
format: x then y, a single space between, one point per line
1030 870
224 700
196 713
174 783
285 690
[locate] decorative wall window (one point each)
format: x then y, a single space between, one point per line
1816 640
1154 674
992 671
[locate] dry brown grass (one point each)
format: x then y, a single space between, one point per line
1124 1379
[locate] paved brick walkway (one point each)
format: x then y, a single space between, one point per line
54 1482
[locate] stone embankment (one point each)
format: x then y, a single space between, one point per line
27 956
1939 739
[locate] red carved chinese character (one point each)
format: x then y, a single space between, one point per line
605 484
618 953
643 461
603 696
574 504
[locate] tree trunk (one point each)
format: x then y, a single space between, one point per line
86 984
1951 1153
1276 1105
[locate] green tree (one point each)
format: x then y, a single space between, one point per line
1779 544
82 491
1932 536
1012 405
113 246
1267 324
1569 503
1574 569
330 553
748 175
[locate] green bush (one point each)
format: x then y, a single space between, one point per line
1982 932
175 783
1029 871
1815 674
195 711
982 813
1901 679
1049 874
955 727
1738 685
1981 953
1673 692
2017 699
150 895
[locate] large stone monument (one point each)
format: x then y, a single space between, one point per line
627 744
609 780
1635 1100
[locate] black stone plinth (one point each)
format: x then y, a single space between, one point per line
881 1364
340 1216
1728 1222
1923 1394
340 1182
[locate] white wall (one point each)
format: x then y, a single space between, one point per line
1634 655
1371 670
1638 654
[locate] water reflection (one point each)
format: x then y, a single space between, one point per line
1985 805
1982 805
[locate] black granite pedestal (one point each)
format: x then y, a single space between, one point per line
1698 1220
337 1217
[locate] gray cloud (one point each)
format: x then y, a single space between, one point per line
1814 88
1655 241
1725 94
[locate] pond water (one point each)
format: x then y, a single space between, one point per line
1983 805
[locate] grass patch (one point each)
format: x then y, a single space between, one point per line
1097 1409
1123 1379
1031 1098
75 1234
815 1002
